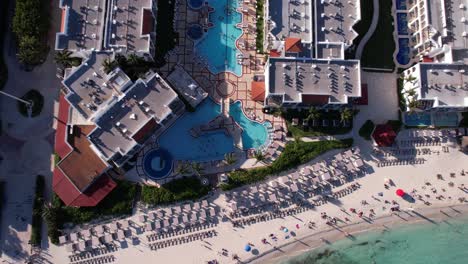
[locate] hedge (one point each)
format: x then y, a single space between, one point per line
294 154
366 130
186 188
37 211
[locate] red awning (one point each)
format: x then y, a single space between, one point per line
258 91
274 53
400 192
384 135
61 146
148 22
72 197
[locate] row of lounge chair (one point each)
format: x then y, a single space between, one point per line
92 253
98 260
163 235
395 162
346 191
182 240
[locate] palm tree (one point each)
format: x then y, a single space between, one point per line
229 159
109 65
63 58
314 114
410 78
197 168
346 114
183 169
133 59
258 155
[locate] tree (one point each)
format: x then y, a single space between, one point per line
109 65
183 169
258 155
133 59
197 168
346 114
229 159
30 50
63 58
314 114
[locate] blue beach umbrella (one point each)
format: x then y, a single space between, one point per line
285 230
247 248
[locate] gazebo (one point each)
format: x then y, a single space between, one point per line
384 135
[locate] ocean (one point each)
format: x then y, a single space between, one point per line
422 243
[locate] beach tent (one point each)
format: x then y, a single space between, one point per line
400 192
247 248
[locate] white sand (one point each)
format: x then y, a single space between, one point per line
406 177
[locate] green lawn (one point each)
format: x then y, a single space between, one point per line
187 188
378 52
165 33
295 154
361 27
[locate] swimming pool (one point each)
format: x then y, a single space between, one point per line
195 31
403 56
401 4
212 146
446 119
157 163
255 134
218 46
417 119
402 24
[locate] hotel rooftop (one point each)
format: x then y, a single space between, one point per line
312 81
291 18
129 26
445 84
82 25
335 19
149 104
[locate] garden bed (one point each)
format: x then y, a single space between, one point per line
186 188
294 154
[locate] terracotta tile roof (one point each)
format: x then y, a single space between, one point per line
61 146
148 22
274 53
72 197
315 99
258 91
292 45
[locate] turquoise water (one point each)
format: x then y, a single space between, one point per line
417 119
444 243
254 134
213 146
446 119
218 46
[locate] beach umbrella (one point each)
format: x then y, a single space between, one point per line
387 181
247 248
285 230
400 192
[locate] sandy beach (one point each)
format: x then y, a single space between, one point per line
431 195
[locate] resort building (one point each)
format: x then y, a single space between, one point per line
300 82
438 27
109 121
122 26
436 87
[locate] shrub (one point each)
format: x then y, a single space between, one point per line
260 25
36 225
366 130
295 154
186 188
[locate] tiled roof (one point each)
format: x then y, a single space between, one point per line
292 45
258 91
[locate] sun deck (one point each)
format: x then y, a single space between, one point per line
292 18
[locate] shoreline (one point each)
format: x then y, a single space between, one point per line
312 241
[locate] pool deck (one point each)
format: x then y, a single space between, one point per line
224 85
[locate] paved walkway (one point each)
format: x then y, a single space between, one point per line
370 32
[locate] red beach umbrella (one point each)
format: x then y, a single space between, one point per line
400 192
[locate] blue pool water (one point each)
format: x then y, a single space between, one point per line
195 4
447 119
422 243
401 4
403 56
182 146
218 46
157 163
195 31
417 119
402 24
254 134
